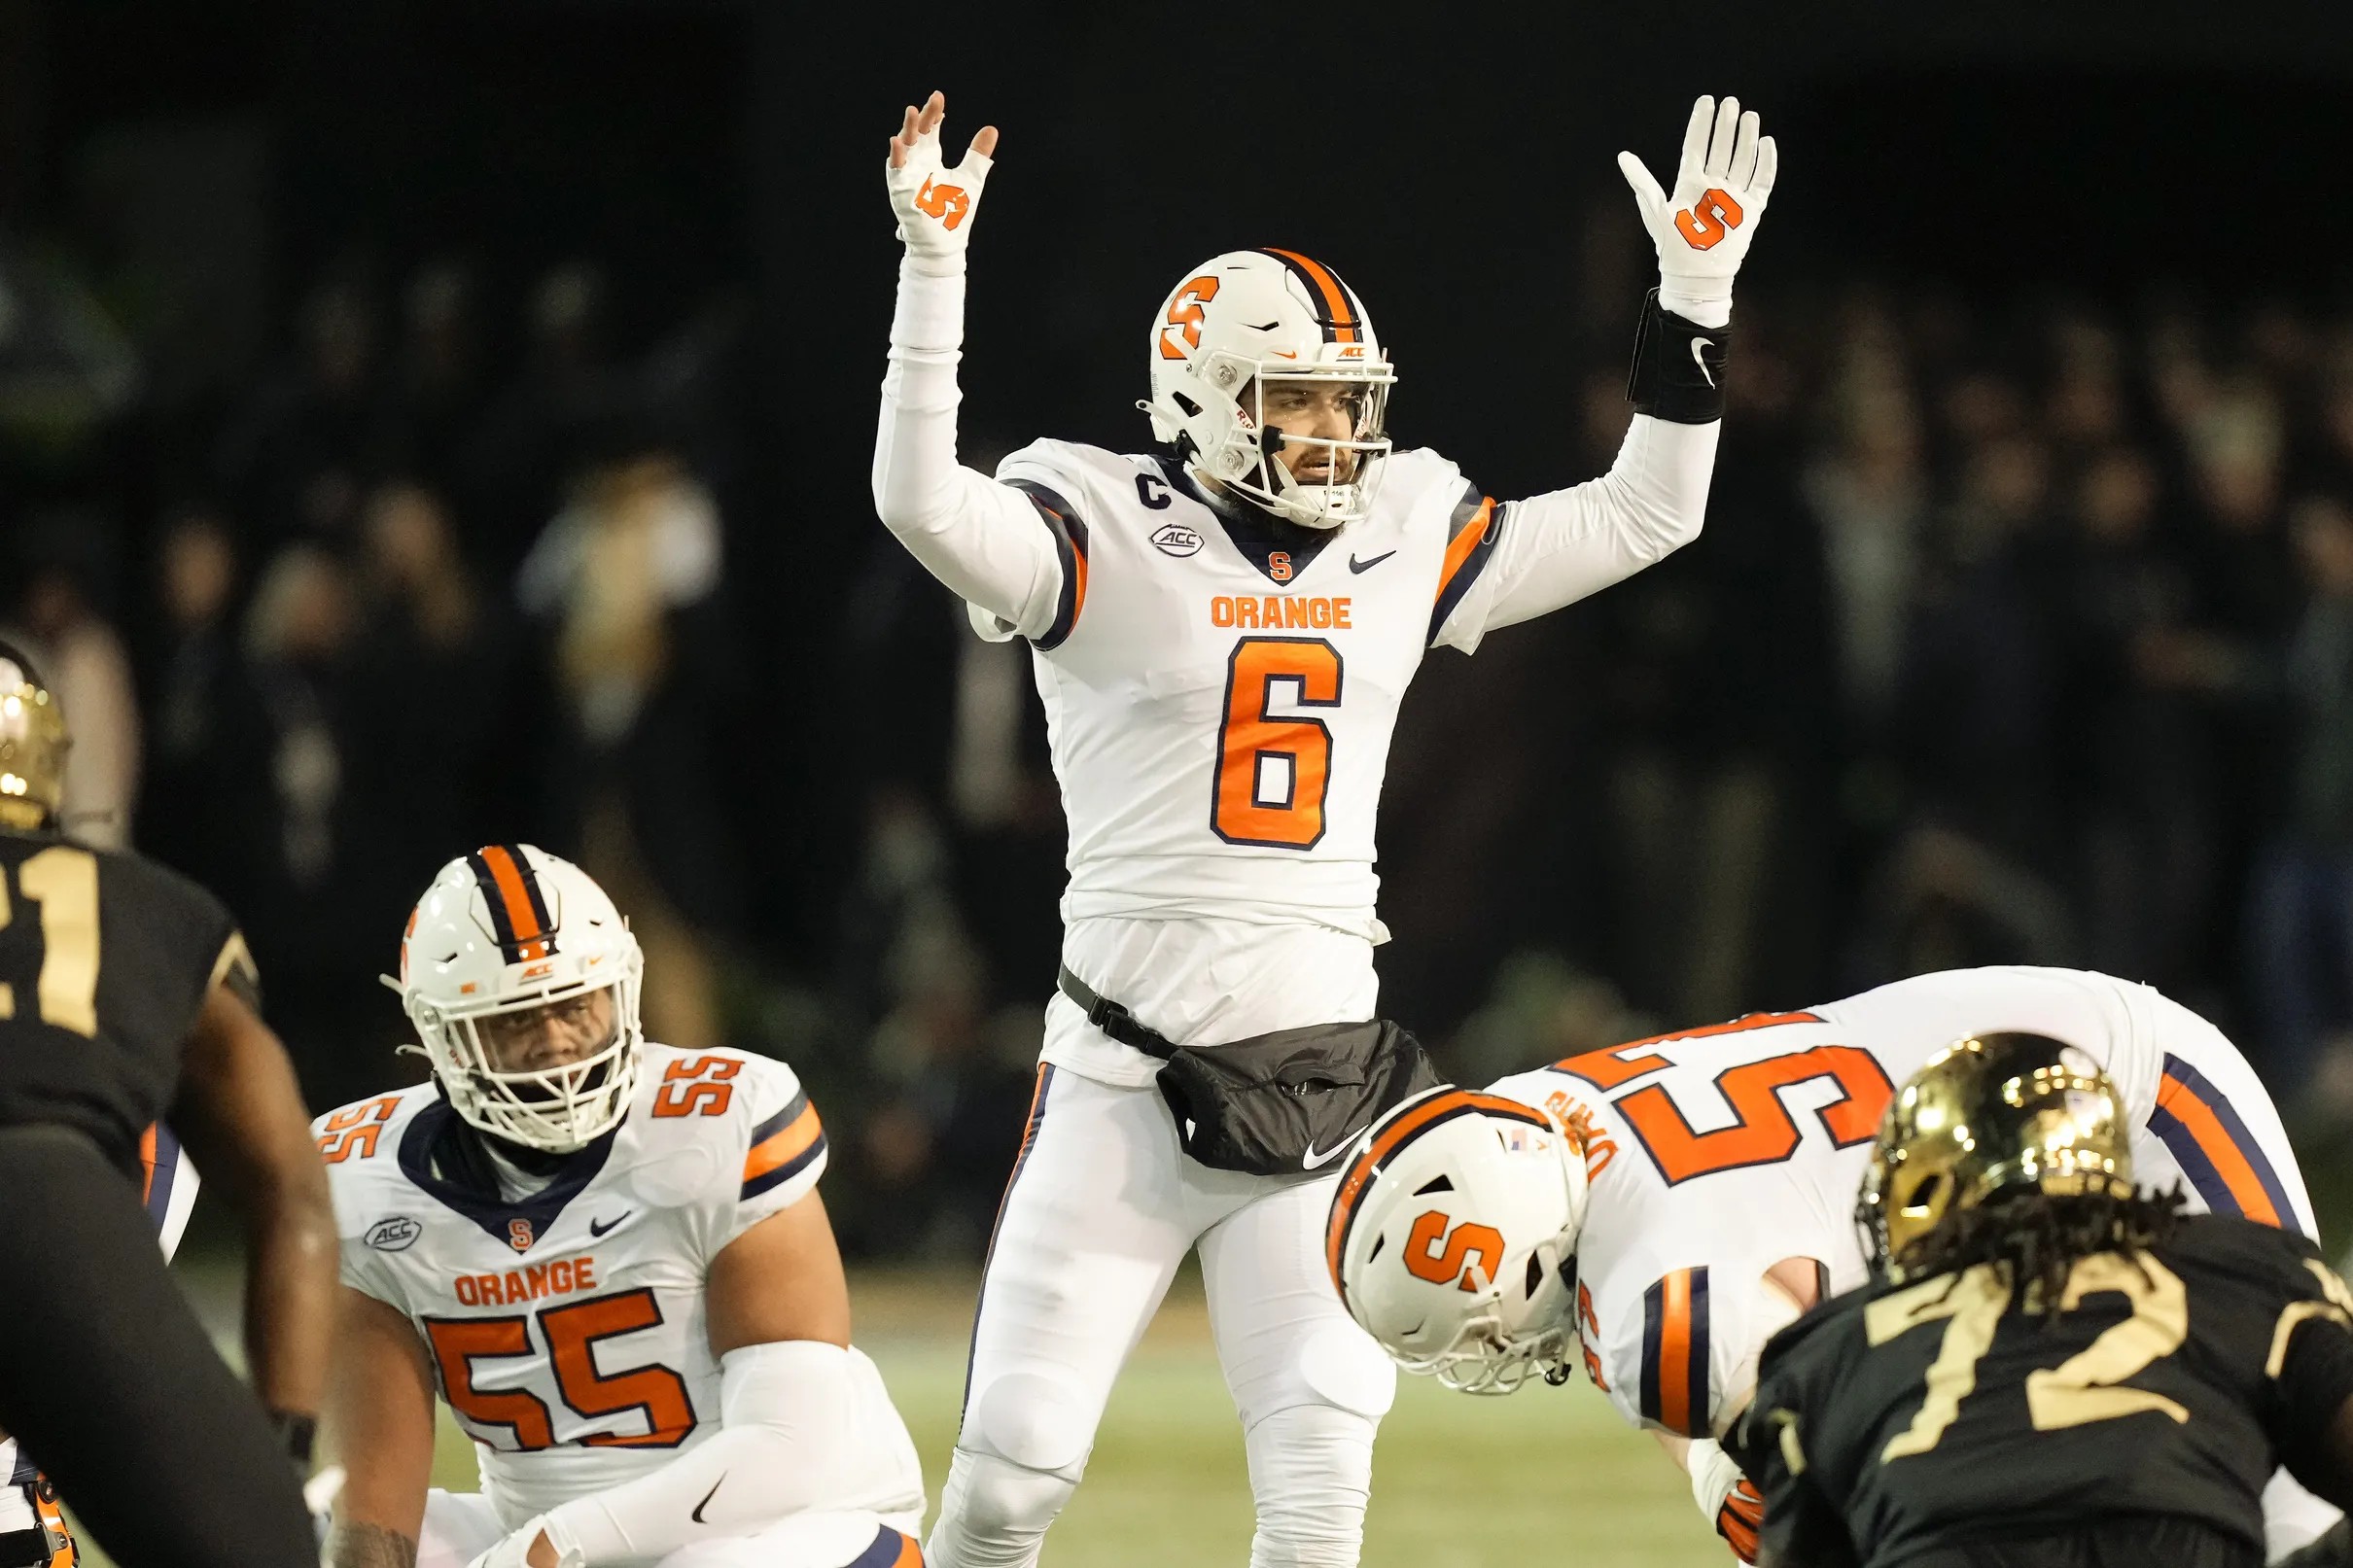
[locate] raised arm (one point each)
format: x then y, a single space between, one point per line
1549 550
983 539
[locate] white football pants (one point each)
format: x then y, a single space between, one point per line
1102 1206
460 1526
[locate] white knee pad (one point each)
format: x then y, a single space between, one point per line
1344 1367
1036 1421
1312 1474
993 1513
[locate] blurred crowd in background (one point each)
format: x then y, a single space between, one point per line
2021 631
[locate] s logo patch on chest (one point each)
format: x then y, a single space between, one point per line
519 1235
1175 539
394 1235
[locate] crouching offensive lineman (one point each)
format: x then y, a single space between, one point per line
2051 1369
610 1258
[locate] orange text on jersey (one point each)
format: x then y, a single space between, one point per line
1599 1146
1280 611
518 1285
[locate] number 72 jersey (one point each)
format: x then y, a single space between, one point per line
566 1330
1718 1153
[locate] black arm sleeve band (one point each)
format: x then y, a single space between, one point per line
1679 368
2315 1383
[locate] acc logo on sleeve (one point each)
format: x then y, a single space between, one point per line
394 1235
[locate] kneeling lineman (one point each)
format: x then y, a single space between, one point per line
611 1259
1656 1212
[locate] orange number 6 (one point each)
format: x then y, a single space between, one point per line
1271 773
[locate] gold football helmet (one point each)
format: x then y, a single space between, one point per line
1988 1115
33 742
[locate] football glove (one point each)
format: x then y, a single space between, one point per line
514 1551
1720 192
934 203
1726 1497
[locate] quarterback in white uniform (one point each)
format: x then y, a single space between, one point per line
1656 1212
610 1259
1221 636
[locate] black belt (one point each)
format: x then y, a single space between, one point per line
1114 1020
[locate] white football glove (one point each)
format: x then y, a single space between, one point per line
1720 192
514 1551
936 203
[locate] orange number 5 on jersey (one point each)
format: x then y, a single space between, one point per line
696 1086
1271 773
1766 1134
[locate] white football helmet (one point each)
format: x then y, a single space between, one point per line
1452 1240
504 931
1245 320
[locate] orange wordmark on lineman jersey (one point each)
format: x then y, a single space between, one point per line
946 202
1279 611
1271 773
1471 1252
1184 317
1706 221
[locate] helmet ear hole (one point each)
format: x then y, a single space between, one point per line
1192 410
1535 1275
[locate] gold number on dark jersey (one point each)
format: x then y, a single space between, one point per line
2079 1390
64 882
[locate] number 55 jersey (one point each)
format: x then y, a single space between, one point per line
1716 1152
565 1324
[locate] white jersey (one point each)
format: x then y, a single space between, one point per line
566 1330
1718 1153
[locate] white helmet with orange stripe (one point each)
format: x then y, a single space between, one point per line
523 981
1452 1240
1268 379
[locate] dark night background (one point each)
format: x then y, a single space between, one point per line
2018 252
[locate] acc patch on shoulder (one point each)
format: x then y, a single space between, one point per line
397 1234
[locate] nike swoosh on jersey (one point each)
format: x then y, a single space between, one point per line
1355 565
697 1515
1697 344
600 1227
1311 1159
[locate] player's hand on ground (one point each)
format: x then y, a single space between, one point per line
936 203
1727 174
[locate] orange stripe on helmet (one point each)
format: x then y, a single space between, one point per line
2215 1142
521 917
1416 1117
1467 539
1335 297
147 1163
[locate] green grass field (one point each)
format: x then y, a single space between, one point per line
1457 1480
1549 1472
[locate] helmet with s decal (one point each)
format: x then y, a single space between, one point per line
1245 331
523 981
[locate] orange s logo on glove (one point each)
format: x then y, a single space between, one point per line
1740 1520
1709 218
949 204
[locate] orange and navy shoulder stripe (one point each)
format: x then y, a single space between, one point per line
782 1146
1021 1160
1337 309
1674 1391
519 913
1470 542
1070 533
2211 1143
1411 1123
889 1550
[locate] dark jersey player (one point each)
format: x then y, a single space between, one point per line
2051 1369
126 998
